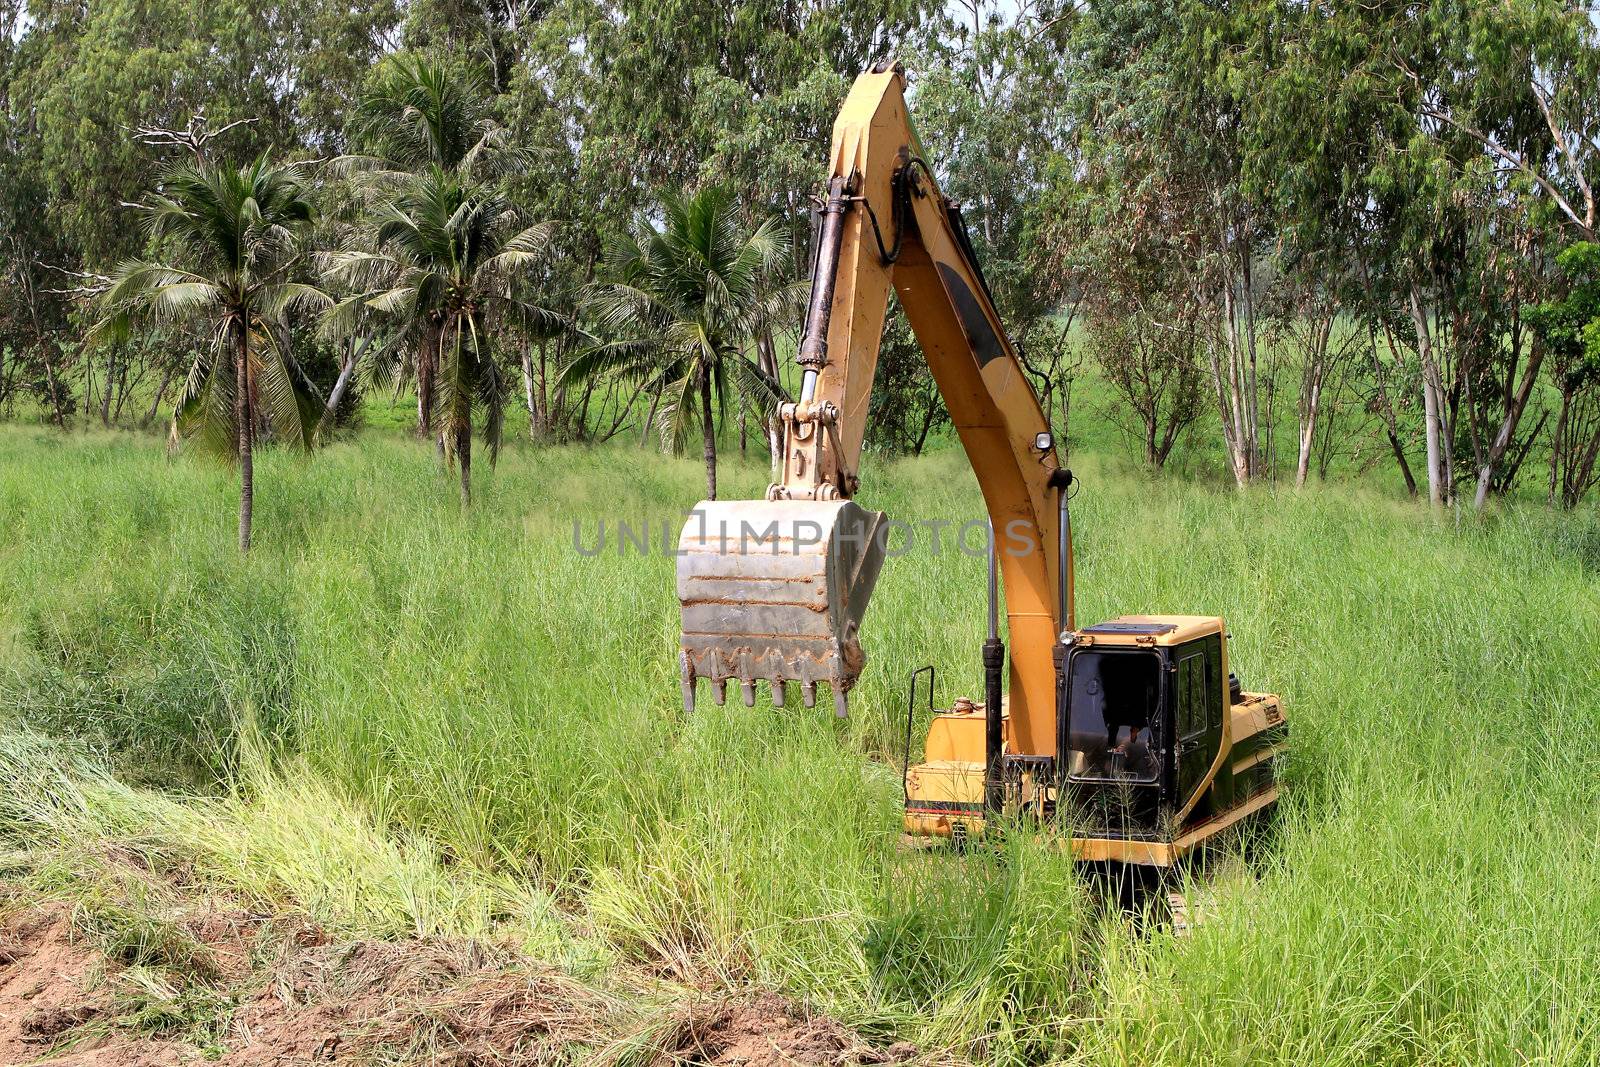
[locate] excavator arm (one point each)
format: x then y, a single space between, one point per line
776 589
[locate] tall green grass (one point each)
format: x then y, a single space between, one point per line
391 700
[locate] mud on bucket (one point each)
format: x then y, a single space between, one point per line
775 590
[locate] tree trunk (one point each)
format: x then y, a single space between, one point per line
1229 431
464 460
244 420
126 386
1508 427
1308 433
619 421
161 391
708 432
1252 403
581 424
650 419
346 370
928 412
427 365
1066 414
1316 370
1390 423
1585 477
58 413
1507 474
1430 416
1230 387
549 405
527 392
1558 442
1431 390
767 356
105 391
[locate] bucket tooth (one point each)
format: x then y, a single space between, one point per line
841 704
749 687
776 590
780 693
719 692
687 676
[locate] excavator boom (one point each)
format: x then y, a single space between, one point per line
777 589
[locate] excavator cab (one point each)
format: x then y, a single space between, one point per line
1161 749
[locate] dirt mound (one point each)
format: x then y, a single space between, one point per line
455 1003
774 1032
255 993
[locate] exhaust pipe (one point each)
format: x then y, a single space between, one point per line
1062 481
994 658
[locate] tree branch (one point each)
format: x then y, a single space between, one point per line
1567 151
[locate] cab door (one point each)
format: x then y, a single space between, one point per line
1197 717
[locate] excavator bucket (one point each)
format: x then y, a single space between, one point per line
775 590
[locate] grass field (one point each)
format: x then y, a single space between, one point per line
403 718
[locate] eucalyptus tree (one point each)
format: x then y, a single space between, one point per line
230 245
447 254
1570 330
683 299
1510 94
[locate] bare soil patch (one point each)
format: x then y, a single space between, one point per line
285 995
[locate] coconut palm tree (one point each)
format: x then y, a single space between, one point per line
419 114
232 238
685 298
448 254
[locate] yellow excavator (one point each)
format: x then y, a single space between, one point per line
1130 736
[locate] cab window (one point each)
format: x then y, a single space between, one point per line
1214 677
1192 710
1114 708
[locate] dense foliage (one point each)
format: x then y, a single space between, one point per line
1316 234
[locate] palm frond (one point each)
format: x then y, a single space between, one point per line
345 318
631 359
754 386
282 398
393 301
522 252
135 279
203 413
386 368
280 299
679 413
